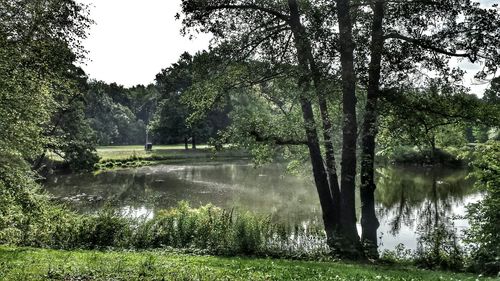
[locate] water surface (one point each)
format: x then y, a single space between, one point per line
409 199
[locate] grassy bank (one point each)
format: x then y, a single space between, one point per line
42 264
128 151
135 155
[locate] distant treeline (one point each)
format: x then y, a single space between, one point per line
120 115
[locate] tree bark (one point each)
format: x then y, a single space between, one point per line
330 162
193 141
319 172
351 243
186 143
327 126
369 221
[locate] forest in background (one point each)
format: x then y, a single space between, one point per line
124 116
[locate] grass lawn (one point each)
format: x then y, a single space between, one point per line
42 264
159 152
127 151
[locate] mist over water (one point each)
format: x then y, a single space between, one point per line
409 199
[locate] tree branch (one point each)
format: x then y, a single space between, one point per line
276 140
428 46
371 2
255 45
249 7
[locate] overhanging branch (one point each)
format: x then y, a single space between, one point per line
277 140
426 45
249 7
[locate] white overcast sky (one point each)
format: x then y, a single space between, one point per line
133 40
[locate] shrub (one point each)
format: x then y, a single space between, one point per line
414 155
483 236
106 229
400 255
438 248
206 228
20 204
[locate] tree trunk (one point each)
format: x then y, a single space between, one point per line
369 221
38 163
330 162
186 143
327 137
320 175
433 149
351 243
193 141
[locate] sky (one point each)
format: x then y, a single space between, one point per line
131 41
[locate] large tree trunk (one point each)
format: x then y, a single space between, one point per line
369 221
330 161
320 175
351 243
327 137
327 127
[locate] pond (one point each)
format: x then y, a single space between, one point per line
409 199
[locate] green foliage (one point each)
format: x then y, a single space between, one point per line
25 103
119 115
41 111
401 154
18 201
400 255
173 121
40 89
206 229
106 229
483 237
492 94
435 117
480 133
72 137
26 215
222 232
80 155
439 248
265 117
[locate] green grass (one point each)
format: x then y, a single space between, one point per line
160 151
128 151
127 156
42 264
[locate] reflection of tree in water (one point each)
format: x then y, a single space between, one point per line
437 235
424 196
403 209
265 190
403 194
113 188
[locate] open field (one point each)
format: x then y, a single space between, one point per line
128 151
41 264
135 155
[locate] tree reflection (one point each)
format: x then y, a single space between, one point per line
415 198
418 195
